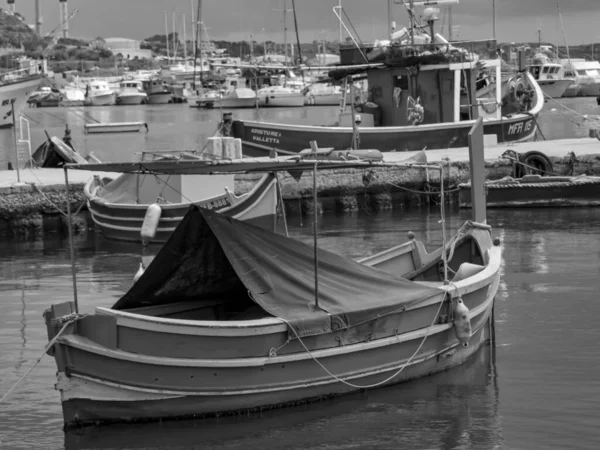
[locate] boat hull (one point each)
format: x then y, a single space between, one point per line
131 99
18 92
102 100
323 100
554 88
590 90
259 138
159 98
113 127
542 194
282 101
136 405
124 222
249 102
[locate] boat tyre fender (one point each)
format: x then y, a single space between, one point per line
539 161
462 323
150 224
267 99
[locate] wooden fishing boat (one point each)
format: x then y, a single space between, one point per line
535 190
119 206
230 317
114 127
424 95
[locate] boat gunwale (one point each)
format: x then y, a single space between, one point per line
95 199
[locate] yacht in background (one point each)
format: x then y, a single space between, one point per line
587 75
131 92
551 79
280 96
98 93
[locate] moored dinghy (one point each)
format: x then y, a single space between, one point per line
148 208
231 317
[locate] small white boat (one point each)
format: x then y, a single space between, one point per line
99 93
320 94
72 96
551 79
280 96
157 91
114 127
131 92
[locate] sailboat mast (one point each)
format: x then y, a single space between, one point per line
199 34
193 30
174 47
285 32
450 23
184 40
297 35
167 35
412 22
494 19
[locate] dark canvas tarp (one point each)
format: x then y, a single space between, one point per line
212 255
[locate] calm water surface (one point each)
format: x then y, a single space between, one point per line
537 389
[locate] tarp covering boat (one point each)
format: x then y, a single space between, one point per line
55 153
210 255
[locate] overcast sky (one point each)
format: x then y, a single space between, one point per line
517 20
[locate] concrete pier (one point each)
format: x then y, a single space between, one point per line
38 203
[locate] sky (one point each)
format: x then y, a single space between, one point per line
516 20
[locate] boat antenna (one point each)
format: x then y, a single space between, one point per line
297 37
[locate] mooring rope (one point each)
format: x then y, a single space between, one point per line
66 321
391 377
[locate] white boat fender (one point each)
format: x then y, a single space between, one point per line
139 273
150 223
462 323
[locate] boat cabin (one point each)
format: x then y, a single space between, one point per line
547 71
427 89
131 85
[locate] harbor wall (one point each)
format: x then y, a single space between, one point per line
37 208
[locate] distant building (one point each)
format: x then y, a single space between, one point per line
128 48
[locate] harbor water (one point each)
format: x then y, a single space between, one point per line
536 388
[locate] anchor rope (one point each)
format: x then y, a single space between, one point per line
66 321
391 377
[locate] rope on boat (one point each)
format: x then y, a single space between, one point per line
66 321
387 380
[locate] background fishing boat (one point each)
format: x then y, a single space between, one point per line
407 108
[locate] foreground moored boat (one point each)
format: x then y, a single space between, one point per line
231 317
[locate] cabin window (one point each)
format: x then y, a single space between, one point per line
546 69
535 70
582 72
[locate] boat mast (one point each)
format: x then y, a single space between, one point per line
315 149
174 47
450 23
167 36
199 34
297 36
494 19
285 33
196 41
564 34
193 31
184 41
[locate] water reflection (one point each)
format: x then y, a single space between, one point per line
452 410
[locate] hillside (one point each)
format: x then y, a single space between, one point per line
14 32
